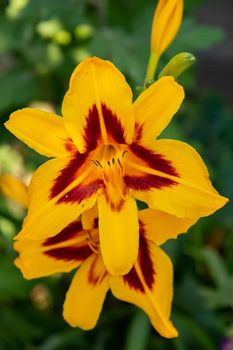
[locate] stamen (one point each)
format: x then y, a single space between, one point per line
93 245
99 163
118 160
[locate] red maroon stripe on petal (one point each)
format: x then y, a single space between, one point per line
147 182
154 160
70 146
66 234
95 278
81 192
133 280
92 129
113 126
68 174
138 132
144 258
70 253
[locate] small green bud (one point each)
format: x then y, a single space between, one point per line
178 64
80 54
49 28
15 7
62 37
83 31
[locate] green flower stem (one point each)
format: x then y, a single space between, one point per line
151 68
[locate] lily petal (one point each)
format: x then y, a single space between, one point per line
57 198
155 107
159 226
149 286
119 232
40 130
15 189
97 106
186 191
85 297
60 253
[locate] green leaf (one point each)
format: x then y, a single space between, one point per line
138 333
216 266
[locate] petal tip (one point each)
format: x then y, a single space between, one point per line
73 322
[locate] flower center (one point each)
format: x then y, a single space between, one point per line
109 160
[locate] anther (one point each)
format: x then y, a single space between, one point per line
118 160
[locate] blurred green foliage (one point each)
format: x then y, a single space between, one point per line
41 41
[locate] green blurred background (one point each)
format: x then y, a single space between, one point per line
41 41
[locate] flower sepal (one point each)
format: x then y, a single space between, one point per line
178 65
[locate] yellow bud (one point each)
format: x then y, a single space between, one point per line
15 189
166 23
178 64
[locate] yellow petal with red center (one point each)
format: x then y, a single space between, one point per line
98 105
15 189
40 130
149 286
60 253
85 297
166 23
179 177
159 226
155 107
60 190
119 232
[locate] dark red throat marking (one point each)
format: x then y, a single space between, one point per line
113 126
68 174
81 192
69 232
70 253
144 258
146 265
154 160
92 129
147 182
93 277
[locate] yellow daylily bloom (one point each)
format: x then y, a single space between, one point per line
15 189
148 285
105 152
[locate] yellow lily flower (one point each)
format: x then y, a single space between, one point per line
15 189
105 152
148 285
